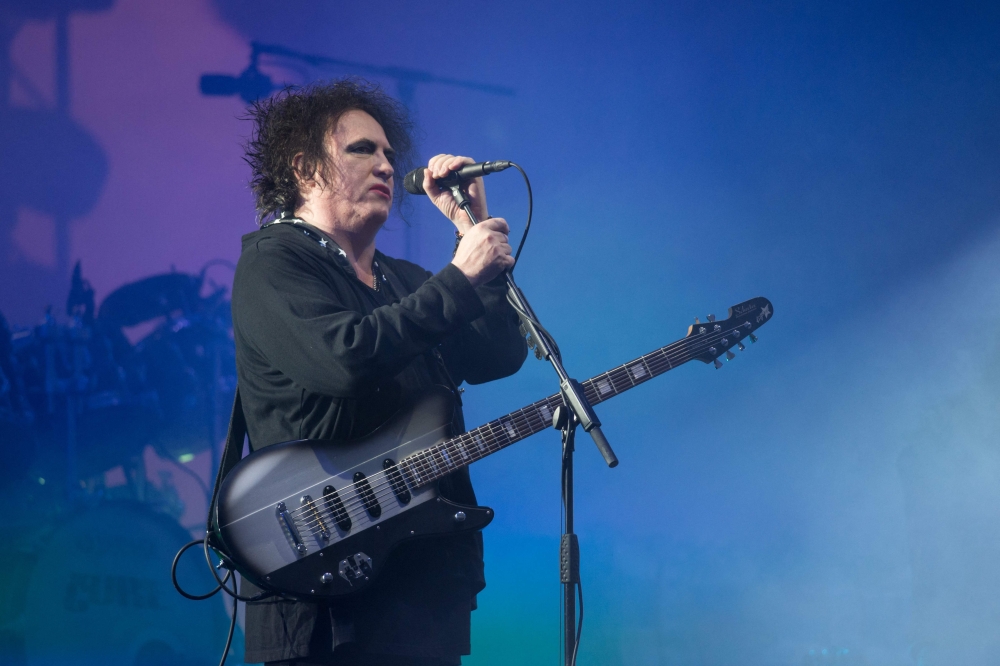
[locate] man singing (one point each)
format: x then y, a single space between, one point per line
332 337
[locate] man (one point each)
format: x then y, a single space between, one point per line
333 337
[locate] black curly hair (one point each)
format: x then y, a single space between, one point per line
297 120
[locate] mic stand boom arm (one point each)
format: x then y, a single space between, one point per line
571 390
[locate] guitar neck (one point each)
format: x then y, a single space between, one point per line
434 462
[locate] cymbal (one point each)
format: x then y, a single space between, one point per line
149 298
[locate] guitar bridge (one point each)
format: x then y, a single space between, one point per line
355 567
315 519
285 519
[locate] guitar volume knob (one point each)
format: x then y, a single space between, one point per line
326 578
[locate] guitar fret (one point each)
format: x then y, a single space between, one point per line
639 370
495 437
461 444
509 429
604 385
478 439
544 412
439 468
536 422
408 474
427 463
416 468
656 364
533 421
621 380
447 459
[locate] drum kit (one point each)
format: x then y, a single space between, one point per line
84 562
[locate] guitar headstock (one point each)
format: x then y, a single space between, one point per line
715 339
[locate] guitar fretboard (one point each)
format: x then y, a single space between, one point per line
436 461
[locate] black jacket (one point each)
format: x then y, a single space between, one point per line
320 355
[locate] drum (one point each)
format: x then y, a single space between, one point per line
94 589
75 387
186 359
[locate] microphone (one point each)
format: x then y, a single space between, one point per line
414 181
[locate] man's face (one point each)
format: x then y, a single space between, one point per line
359 173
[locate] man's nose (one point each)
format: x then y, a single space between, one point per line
384 168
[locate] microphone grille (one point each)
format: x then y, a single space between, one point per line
414 181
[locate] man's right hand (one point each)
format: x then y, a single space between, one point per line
484 252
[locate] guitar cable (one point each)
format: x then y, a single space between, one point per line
221 586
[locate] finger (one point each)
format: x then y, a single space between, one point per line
458 161
430 187
497 224
438 165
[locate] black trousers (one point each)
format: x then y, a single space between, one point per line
348 655
351 654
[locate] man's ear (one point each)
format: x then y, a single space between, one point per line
302 179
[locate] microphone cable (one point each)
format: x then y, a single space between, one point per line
527 225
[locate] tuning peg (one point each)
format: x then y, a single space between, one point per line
730 355
753 338
697 321
741 346
718 364
710 318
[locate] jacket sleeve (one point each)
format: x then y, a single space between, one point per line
299 323
490 347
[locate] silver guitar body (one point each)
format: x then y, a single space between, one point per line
316 519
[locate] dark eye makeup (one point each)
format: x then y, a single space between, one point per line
368 147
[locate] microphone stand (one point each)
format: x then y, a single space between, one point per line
576 410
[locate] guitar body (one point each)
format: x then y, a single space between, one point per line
285 529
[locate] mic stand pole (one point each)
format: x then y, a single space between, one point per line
575 411
569 546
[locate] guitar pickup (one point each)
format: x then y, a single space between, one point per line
396 482
367 495
336 508
355 567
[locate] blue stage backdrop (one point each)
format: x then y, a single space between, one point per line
831 496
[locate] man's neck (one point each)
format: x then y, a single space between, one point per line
358 244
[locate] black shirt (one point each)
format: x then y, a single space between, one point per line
320 355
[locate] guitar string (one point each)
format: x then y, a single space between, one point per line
427 472
381 485
381 488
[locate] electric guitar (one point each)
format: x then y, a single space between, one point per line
316 519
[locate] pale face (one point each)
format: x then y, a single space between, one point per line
358 195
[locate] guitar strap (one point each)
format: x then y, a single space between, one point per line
231 454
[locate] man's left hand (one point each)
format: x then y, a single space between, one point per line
440 166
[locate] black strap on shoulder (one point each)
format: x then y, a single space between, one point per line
231 454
